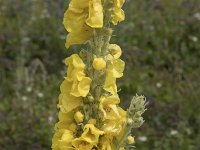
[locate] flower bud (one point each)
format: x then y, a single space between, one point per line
78 117
72 127
90 98
130 139
92 121
99 64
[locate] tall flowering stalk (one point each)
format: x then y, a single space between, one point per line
90 117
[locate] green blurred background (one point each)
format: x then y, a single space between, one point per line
161 47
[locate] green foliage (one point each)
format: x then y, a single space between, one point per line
161 48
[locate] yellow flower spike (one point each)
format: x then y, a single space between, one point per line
103 121
130 140
99 64
82 144
91 133
95 19
115 51
79 117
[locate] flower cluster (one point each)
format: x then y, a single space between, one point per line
90 117
84 15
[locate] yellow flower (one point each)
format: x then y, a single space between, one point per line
106 144
118 13
91 133
114 70
114 127
62 140
130 140
110 82
80 36
55 139
68 102
76 66
66 120
74 22
92 121
99 64
115 51
74 18
66 139
121 148
81 88
81 144
95 18
122 113
76 81
78 117
108 107
80 18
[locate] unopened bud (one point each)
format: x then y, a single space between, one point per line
99 64
130 139
78 117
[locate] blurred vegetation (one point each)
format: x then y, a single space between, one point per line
160 41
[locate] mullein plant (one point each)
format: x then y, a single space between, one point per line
90 117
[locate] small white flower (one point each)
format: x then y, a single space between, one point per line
197 16
173 132
50 119
33 18
142 138
194 38
29 89
40 95
151 28
158 85
45 14
24 98
25 39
